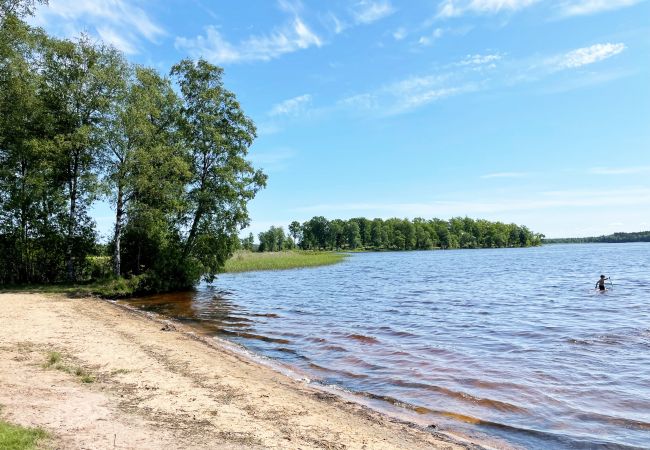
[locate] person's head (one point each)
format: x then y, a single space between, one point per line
602 276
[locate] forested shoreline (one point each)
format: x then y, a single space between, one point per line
639 236
78 123
360 233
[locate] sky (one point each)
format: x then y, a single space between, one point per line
535 112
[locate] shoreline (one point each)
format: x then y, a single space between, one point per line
173 389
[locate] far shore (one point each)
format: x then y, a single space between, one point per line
93 374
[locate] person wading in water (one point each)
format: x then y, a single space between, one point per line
600 284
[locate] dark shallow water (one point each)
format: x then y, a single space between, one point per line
512 343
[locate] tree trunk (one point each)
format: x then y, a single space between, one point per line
192 235
117 261
72 185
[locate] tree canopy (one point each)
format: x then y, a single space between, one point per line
78 123
320 233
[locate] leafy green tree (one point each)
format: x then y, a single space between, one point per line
376 233
18 8
352 235
24 164
80 81
295 230
143 158
248 242
217 135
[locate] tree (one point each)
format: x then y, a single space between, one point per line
143 132
19 8
295 230
24 163
353 234
81 80
217 135
248 242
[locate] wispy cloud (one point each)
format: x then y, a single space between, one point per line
430 38
619 170
117 22
293 36
585 7
510 204
400 33
456 8
480 59
368 11
584 56
505 175
419 90
469 74
274 160
291 107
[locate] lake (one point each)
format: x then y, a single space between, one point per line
512 346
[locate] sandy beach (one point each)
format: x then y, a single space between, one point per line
161 386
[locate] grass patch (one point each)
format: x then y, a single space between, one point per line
245 261
55 361
14 437
106 288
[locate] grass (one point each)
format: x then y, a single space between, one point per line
14 437
241 261
245 261
106 288
55 361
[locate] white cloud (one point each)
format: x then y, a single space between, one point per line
456 8
449 208
117 40
416 91
432 37
478 59
291 107
619 170
118 22
505 175
213 46
584 56
273 161
339 26
362 102
585 7
368 11
399 34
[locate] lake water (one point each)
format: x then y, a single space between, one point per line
514 344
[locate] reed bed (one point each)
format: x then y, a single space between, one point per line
245 261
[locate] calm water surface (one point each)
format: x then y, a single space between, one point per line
511 343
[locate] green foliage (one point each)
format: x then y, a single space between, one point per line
245 261
78 123
18 8
401 234
55 361
641 236
13 437
274 240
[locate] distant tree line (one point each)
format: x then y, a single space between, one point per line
78 123
319 233
639 236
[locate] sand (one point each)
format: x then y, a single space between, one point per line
157 389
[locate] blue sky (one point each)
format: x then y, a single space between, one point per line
528 111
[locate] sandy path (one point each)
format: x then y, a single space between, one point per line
165 389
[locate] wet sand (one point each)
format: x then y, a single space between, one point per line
169 388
